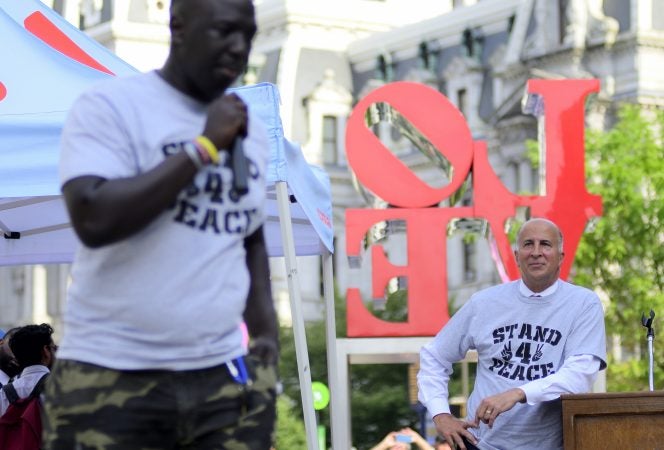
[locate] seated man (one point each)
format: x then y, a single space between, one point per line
34 351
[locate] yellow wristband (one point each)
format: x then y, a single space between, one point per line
209 146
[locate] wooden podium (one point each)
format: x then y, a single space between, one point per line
614 421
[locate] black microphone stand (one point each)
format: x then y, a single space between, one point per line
651 336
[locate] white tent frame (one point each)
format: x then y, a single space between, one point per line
302 356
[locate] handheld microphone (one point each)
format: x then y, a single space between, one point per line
240 168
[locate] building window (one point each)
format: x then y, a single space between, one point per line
469 264
462 100
562 19
330 140
535 180
424 56
384 70
468 42
90 13
513 178
510 23
473 43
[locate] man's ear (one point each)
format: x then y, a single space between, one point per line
46 353
177 28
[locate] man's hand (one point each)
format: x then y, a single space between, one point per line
492 406
227 118
266 349
452 429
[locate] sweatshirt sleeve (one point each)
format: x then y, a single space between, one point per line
437 357
577 375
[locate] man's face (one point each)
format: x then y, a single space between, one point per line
51 350
538 254
212 42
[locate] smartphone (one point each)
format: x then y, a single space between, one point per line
403 438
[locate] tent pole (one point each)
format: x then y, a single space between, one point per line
304 370
331 338
340 401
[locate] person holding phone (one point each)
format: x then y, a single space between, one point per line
403 439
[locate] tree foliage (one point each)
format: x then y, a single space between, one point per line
290 427
622 255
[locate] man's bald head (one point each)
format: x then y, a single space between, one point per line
541 220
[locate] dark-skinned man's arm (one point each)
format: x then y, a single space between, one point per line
105 211
259 314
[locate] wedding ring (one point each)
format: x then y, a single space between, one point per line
488 412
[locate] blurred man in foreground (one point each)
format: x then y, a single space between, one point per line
172 259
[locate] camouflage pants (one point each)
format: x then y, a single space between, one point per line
88 407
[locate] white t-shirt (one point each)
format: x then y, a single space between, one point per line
4 378
172 295
518 340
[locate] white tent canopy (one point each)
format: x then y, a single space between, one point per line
38 85
45 63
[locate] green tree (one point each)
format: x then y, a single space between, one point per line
290 428
623 254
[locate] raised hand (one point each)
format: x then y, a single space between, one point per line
227 117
